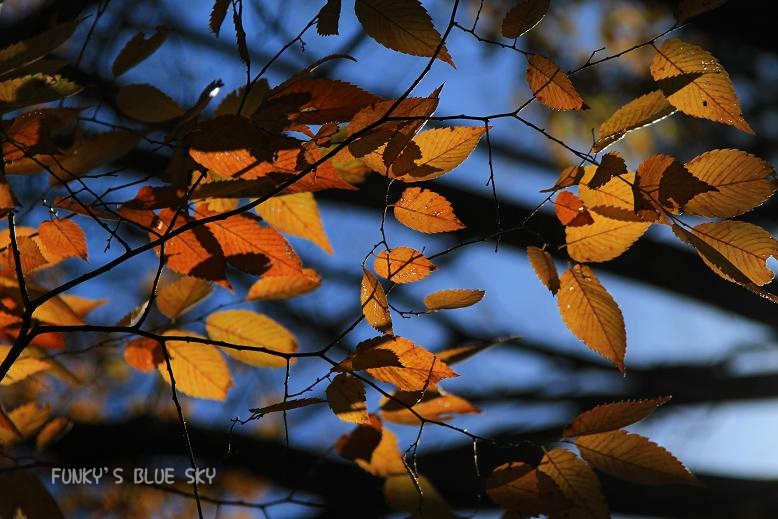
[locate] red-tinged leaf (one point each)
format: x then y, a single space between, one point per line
296 214
346 397
523 16
284 286
570 210
62 239
432 404
147 104
138 49
522 489
643 111
33 89
453 298
611 165
634 458
544 267
591 314
52 431
180 296
199 369
570 176
286 405
742 181
426 211
326 100
375 306
218 13
551 86
31 133
255 330
403 265
398 361
402 25
144 354
612 416
576 480
696 84
415 495
35 48
22 368
30 255
327 20
687 9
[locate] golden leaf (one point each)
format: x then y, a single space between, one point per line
643 111
346 397
199 369
284 286
544 267
26 420
570 176
182 295
375 306
24 366
403 265
296 214
612 416
249 328
523 16
426 211
62 239
551 86
591 314
147 104
432 404
577 482
454 298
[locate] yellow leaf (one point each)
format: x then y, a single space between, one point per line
551 86
521 488
296 214
346 397
743 182
450 299
591 314
284 286
137 49
147 104
432 404
62 239
426 211
82 306
402 25
577 482
544 267
248 328
643 111
696 84
403 265
612 416
199 369
23 367
375 306
415 496
634 458
400 362
26 419
374 448
523 16
182 295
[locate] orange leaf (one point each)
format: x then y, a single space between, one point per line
23 367
521 488
634 458
403 265
402 25
450 299
296 214
551 86
430 405
643 111
52 431
346 397
426 211
144 354
284 286
591 314
696 84
375 306
7 198
147 104
29 253
137 49
609 417
522 17
62 239
570 210
248 328
577 482
398 361
544 267
82 306
182 295
199 369
27 418
326 100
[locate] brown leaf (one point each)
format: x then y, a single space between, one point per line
551 86
612 416
375 306
182 295
451 299
147 104
327 20
249 328
522 489
426 211
523 16
218 13
643 111
577 482
430 404
62 239
199 369
677 186
544 267
325 100
138 49
611 165
591 314
403 265
570 210
346 397
362 441
33 49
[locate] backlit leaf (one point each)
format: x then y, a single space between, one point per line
249 328
182 295
612 416
687 9
634 458
696 84
251 102
346 397
416 496
521 488
28 419
453 298
29 253
401 25
591 314
62 239
23 367
327 21
82 306
577 482
326 100
643 111
743 182
523 16
284 286
296 214
570 176
544 267
34 89
286 405
551 86
199 369
32 132
677 186
403 265
147 104
570 210
375 306
611 165
400 362
144 354
426 211
430 404
138 49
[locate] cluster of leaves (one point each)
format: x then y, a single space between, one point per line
271 149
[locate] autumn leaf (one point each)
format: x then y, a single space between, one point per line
523 16
346 397
544 267
296 214
144 354
283 286
634 458
402 25
26 419
403 265
373 447
432 404
570 210
612 416
30 255
199 369
62 239
696 84
459 353
33 89
521 488
180 296
147 104
24 366
677 186
138 49
375 306
326 100
591 314
426 211
453 298
570 176
551 86
577 482
643 111
611 165
400 362
33 49
327 20
249 328
415 495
